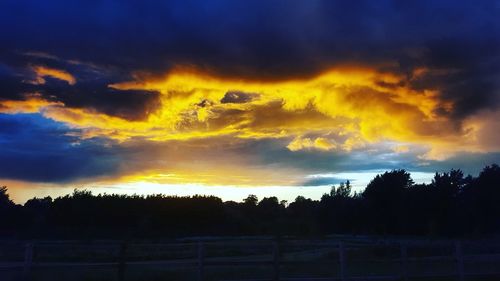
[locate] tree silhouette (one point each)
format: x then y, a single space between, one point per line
482 197
451 205
343 191
4 197
251 200
9 212
385 196
449 184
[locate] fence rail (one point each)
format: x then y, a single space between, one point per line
341 254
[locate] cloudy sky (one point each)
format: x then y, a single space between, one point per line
237 97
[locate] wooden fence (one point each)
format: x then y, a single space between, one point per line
349 257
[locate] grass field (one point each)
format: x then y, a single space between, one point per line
353 258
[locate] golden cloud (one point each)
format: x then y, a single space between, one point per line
342 109
319 143
43 71
33 104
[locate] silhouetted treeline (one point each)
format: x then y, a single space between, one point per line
451 205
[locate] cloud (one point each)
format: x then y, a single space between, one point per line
54 80
214 86
320 143
35 149
59 156
401 149
456 44
32 104
321 181
42 71
344 108
238 97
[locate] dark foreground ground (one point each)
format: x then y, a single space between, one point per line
253 258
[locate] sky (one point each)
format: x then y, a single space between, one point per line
229 98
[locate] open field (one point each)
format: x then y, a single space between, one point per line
252 258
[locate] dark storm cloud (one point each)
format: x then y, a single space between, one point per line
381 159
469 163
275 153
106 42
127 104
266 40
91 90
36 149
238 97
465 70
11 85
320 181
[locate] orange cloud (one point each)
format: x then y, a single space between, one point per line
42 71
33 104
345 108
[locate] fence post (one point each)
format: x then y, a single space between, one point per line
122 260
276 260
404 261
342 261
28 260
460 260
201 259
